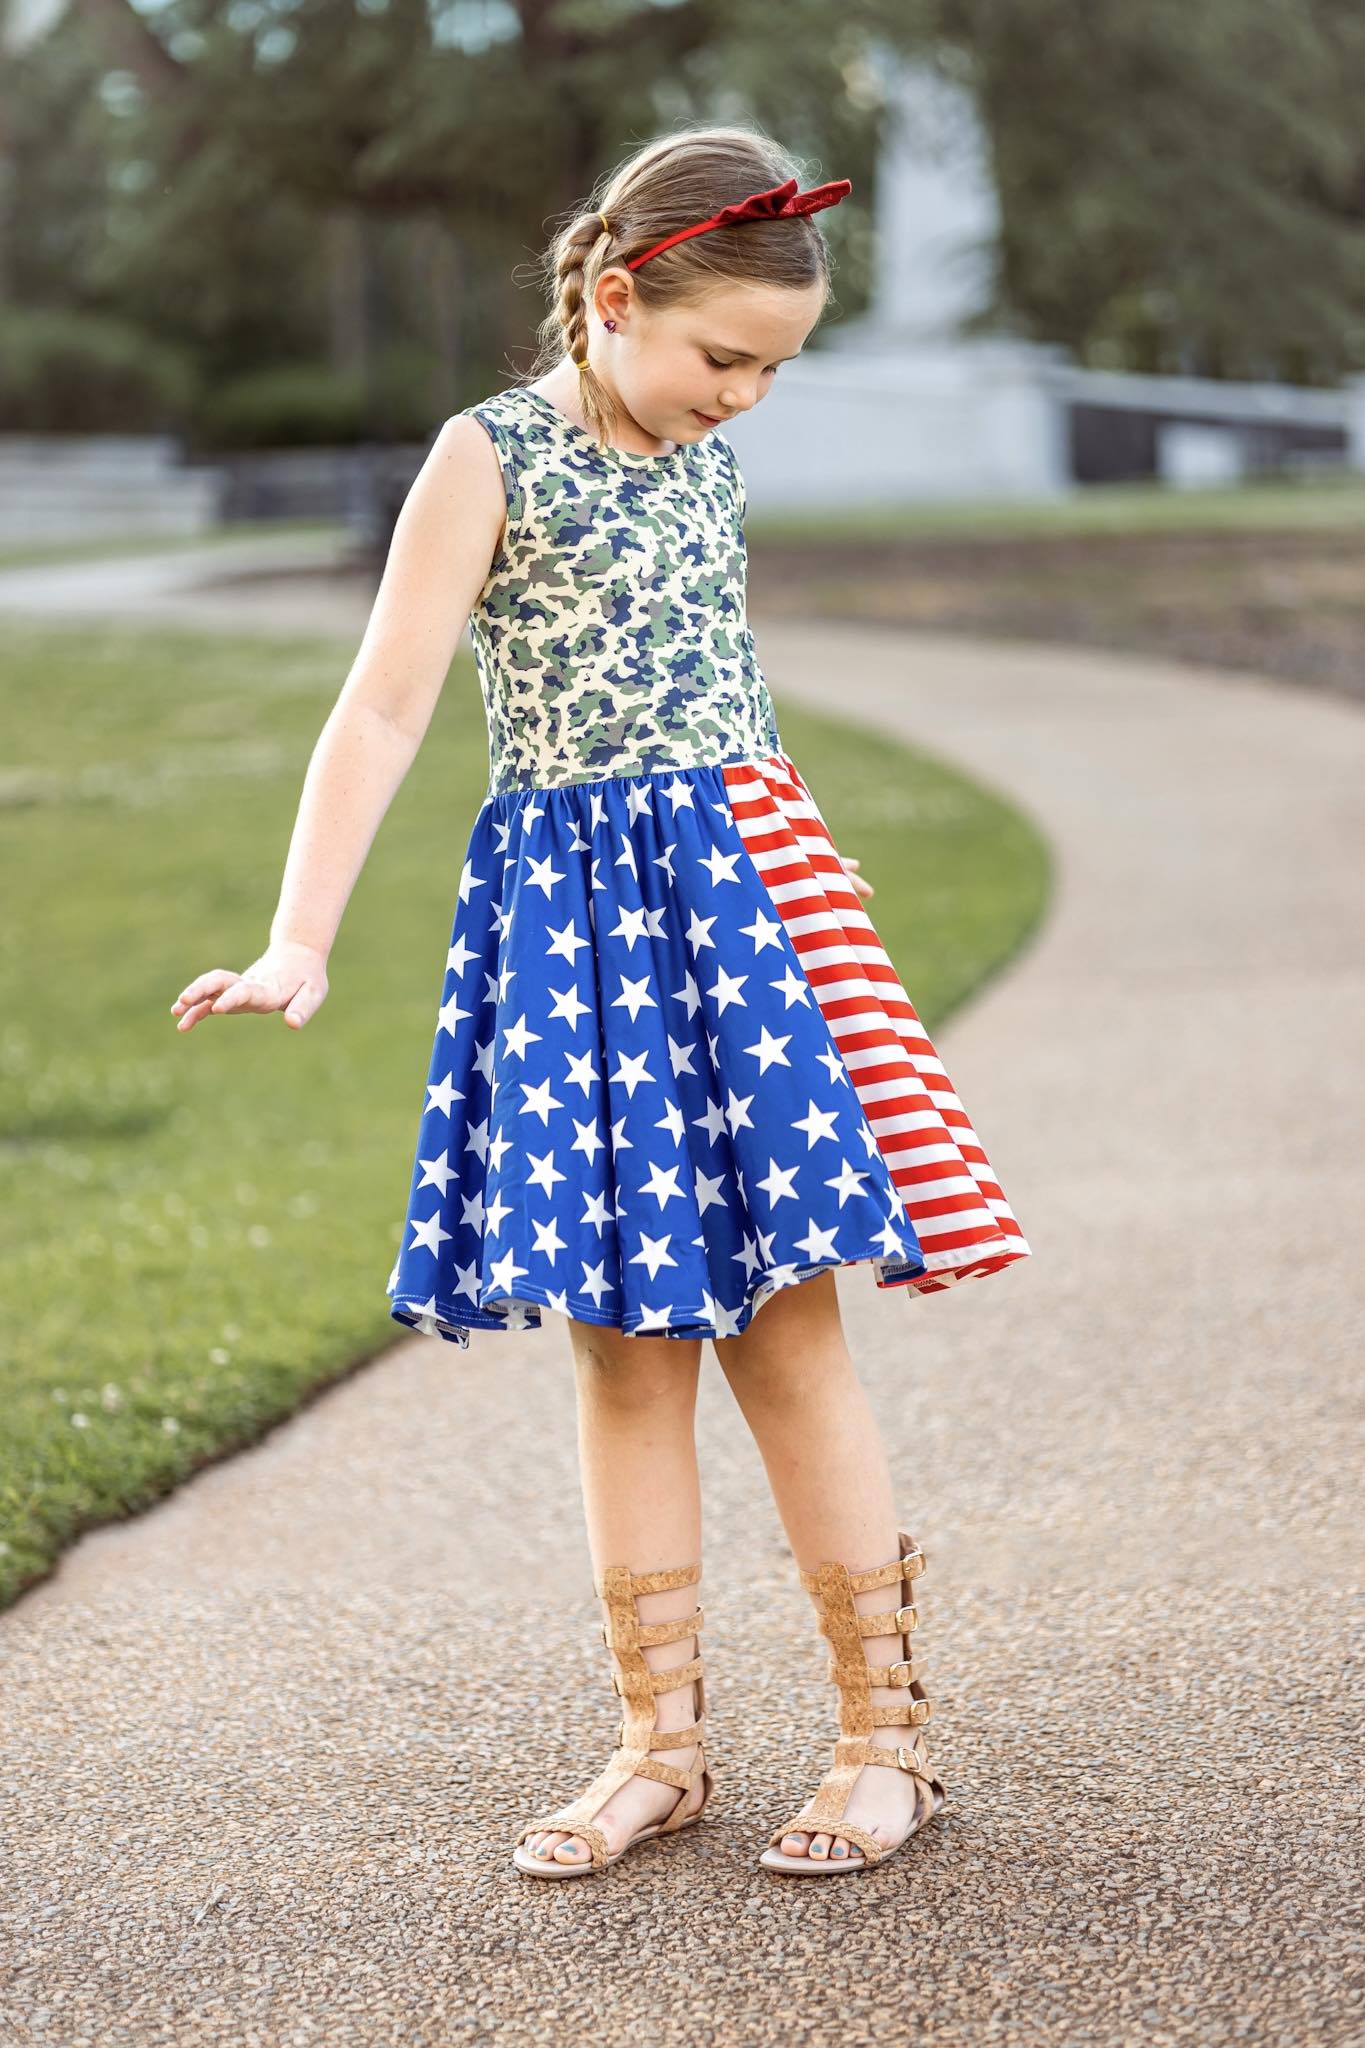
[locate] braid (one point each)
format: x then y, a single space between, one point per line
575 248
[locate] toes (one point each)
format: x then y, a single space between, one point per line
572 1850
819 1845
547 1842
794 1845
840 1846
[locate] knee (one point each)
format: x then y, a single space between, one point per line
634 1372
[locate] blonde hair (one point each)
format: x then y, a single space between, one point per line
672 182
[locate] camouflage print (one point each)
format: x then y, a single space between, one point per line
611 637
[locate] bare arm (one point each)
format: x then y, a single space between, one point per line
443 543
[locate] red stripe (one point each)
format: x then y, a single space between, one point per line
964 1224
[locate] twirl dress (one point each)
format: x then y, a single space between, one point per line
674 1069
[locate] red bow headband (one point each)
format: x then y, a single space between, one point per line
783 202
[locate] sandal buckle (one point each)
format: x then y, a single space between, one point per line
906 1758
907 1617
906 1664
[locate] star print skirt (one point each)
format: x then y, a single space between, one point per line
674 1070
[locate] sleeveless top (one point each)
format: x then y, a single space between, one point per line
611 636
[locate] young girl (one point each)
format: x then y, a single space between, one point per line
675 1077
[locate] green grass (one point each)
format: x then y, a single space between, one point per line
111 548
1116 509
197 1229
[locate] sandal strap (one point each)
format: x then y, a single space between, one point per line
661 1681
860 1838
904 1672
646 1582
661 1631
908 1565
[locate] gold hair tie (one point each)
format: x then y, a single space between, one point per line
580 366
605 222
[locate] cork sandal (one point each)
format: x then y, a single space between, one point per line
841 1622
638 1737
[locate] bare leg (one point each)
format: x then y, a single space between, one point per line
637 1400
791 1374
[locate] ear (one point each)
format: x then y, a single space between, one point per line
614 295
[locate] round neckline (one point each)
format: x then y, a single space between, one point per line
619 454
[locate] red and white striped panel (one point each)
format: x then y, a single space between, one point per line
964 1224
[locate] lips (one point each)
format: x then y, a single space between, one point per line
706 417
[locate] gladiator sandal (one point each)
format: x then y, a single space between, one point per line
638 1737
840 1620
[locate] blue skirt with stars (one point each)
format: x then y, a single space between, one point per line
641 1107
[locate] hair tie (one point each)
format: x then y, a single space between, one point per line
780 202
605 222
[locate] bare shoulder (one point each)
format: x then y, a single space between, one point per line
457 504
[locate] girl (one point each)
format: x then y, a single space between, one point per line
675 1077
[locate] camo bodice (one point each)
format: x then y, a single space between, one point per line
611 637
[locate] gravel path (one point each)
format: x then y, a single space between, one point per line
265 1749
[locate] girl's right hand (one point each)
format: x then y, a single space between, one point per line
287 977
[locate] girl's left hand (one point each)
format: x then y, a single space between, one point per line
863 888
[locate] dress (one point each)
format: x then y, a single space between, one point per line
674 1069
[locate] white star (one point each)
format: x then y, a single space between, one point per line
503 828
664 860
544 1172
516 1037
637 801
496 1148
626 857
588 1141
689 994
469 880
596 1213
597 809
581 1072
769 1051
816 1123
845 1182
539 1101
459 956
680 1055
450 1013
817 1244
672 1121
792 988
565 940
653 1253
679 793
543 874
714 1120
653 1318
472 1210
568 1004
634 996
428 1234
548 1239
530 814
494 1213
720 866
708 1191
483 1057
726 989
504 1271
595 1281
778 1182
891 1243
630 926
765 931
830 1060
632 1071
442 1095
663 1183
558 1302
476 1137
619 1141
437 1172
699 932
466 1280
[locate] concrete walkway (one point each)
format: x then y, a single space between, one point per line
266 1747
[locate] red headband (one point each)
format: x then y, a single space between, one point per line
782 202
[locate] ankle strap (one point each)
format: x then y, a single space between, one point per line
624 1580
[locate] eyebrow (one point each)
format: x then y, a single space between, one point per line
720 348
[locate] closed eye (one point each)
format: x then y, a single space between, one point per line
716 365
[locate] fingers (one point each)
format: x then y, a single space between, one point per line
221 993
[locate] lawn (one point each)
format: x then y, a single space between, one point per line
198 1228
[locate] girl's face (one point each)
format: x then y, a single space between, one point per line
682 369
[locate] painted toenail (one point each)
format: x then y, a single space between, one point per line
838 1851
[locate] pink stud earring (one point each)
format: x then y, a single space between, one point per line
610 325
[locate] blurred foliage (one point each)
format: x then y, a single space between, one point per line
86 373
310 405
267 183
1182 187
264 181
